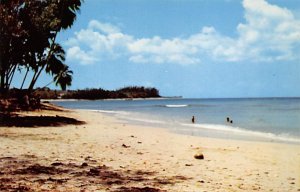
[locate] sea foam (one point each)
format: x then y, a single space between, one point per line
285 137
108 111
175 106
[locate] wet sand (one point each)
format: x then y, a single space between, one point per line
106 154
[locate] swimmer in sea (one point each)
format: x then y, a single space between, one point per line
193 119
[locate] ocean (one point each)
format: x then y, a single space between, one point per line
259 119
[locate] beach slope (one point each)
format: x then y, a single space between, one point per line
106 154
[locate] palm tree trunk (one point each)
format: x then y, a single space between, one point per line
11 75
24 78
36 76
3 75
2 81
31 85
48 84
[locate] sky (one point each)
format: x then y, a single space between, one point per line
189 48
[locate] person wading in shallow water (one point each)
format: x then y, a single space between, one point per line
228 120
193 119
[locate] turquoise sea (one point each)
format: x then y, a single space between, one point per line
265 119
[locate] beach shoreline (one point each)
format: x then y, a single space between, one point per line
137 157
113 99
253 119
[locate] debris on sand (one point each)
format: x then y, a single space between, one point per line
137 189
125 146
199 156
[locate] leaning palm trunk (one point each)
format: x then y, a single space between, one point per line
24 79
38 73
28 31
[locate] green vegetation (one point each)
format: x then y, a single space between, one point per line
92 94
28 31
18 100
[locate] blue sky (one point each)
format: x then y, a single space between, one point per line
190 48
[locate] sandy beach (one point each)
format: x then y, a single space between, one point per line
106 154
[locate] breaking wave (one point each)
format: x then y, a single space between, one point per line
285 137
176 106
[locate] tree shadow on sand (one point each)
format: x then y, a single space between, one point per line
67 175
13 120
12 114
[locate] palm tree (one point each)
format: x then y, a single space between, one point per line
11 32
64 77
60 71
28 31
64 13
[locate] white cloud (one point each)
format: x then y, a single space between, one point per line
75 53
269 33
266 10
159 50
106 28
97 42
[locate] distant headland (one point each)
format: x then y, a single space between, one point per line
130 92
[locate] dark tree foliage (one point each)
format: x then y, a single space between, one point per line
28 31
126 93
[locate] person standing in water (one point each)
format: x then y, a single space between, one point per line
193 119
